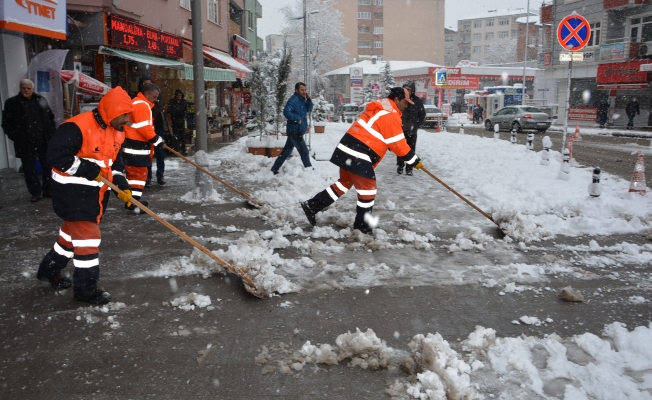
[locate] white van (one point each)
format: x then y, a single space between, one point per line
351 111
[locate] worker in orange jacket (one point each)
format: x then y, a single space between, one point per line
138 140
359 152
84 149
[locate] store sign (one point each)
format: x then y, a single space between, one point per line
466 82
356 77
624 72
135 36
240 50
36 17
611 52
581 113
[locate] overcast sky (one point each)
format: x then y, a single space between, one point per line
455 9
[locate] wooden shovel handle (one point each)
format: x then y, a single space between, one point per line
240 192
459 195
236 270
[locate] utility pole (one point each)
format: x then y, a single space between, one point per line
527 31
198 74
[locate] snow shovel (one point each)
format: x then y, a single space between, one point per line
248 282
240 192
459 195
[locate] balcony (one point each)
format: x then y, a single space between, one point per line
234 28
613 4
259 10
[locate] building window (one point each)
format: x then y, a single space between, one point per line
466 26
185 4
364 15
379 2
378 15
489 36
378 30
641 29
503 35
487 48
503 21
449 38
514 33
364 2
477 24
449 51
378 44
214 11
489 22
477 36
364 29
594 40
365 44
477 49
250 19
533 40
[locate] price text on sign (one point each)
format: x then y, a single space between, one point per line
141 37
581 113
573 32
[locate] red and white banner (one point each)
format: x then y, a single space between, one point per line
84 83
582 113
622 72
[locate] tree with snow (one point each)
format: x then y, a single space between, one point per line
325 40
387 81
320 110
284 70
498 52
368 93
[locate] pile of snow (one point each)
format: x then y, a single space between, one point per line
617 366
187 303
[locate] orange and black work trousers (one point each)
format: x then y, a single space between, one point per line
365 187
136 176
79 240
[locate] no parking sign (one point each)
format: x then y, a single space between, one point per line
573 32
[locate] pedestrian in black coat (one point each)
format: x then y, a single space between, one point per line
29 122
632 109
413 117
178 111
603 112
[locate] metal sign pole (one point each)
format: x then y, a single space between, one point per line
568 90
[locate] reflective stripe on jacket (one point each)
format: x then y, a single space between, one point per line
368 139
140 135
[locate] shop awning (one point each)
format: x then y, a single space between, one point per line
211 74
142 58
226 59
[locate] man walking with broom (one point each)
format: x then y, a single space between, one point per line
85 149
360 151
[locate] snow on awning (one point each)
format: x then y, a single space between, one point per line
226 59
210 74
143 58
84 83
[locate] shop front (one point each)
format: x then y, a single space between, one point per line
621 82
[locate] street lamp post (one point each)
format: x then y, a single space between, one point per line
527 31
306 70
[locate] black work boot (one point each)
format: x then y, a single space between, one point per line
58 282
408 171
133 207
310 214
400 170
95 296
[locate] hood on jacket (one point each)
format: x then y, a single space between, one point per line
115 103
178 91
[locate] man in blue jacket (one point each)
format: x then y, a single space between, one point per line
296 111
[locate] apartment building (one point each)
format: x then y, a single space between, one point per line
384 29
450 47
489 37
615 62
274 42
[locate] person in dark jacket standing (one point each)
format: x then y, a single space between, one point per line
178 112
85 149
29 122
603 112
413 117
632 109
296 111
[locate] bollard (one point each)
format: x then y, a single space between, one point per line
564 171
595 188
545 154
496 131
530 142
513 138
462 129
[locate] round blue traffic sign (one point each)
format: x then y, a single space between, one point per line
573 32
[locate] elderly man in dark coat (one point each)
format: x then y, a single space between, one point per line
29 122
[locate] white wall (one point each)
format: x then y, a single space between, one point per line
12 70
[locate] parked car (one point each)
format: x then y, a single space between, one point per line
519 118
433 116
351 112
